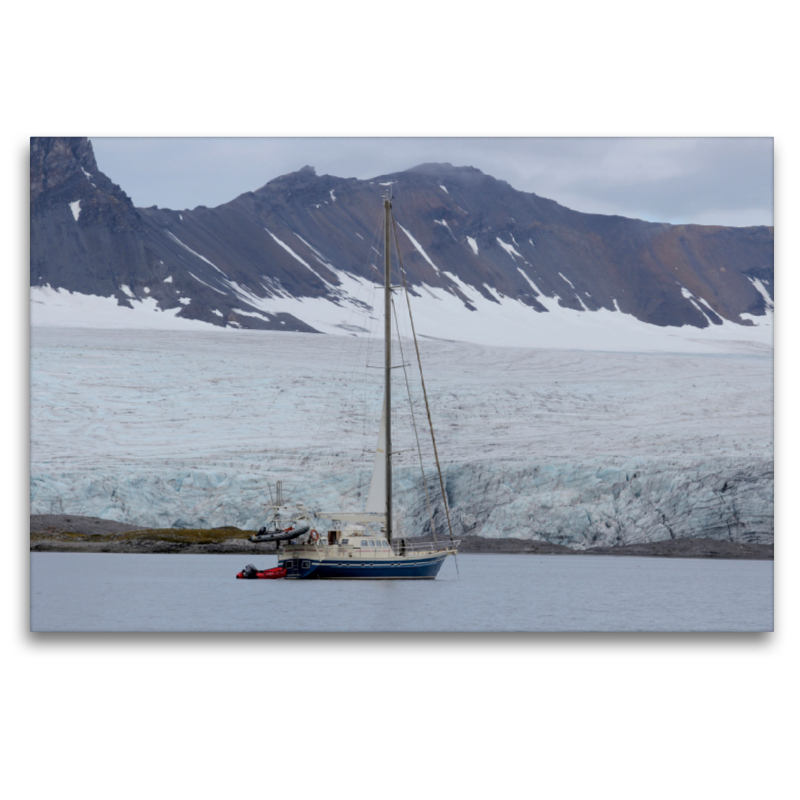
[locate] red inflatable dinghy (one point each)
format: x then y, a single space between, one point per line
251 572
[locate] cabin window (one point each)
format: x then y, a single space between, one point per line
306 564
345 541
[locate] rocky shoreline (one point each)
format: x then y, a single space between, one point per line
668 548
66 533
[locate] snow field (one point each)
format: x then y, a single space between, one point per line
499 322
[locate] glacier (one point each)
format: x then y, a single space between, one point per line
164 428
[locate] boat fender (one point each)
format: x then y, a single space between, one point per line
314 536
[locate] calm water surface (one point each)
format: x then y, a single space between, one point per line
111 592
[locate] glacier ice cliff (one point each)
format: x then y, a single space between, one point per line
577 448
579 505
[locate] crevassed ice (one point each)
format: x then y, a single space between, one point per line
194 428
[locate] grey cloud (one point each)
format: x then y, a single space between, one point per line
709 181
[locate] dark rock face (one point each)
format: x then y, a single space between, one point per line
290 236
99 250
86 236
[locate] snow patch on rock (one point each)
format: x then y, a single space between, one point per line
418 246
564 277
193 252
761 289
509 248
57 308
294 255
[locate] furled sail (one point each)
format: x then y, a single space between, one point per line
376 501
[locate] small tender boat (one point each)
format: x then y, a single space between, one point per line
276 529
250 573
292 532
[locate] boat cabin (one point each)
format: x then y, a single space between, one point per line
353 541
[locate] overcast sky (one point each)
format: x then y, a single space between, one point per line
723 181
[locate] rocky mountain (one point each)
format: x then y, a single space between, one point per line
309 237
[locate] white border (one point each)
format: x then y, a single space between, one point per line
558 716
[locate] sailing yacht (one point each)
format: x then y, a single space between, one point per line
362 545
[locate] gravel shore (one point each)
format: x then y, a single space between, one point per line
69 533
669 548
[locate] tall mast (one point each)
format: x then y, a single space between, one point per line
387 333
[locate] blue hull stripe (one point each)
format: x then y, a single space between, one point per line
386 569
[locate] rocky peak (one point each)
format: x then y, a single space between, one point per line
445 169
59 167
64 170
292 180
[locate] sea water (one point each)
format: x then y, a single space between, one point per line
486 592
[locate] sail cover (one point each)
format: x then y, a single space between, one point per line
376 501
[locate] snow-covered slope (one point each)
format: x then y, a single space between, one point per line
173 427
487 263
437 314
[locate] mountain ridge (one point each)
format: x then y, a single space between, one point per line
306 237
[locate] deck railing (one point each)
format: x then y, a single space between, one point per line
400 547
